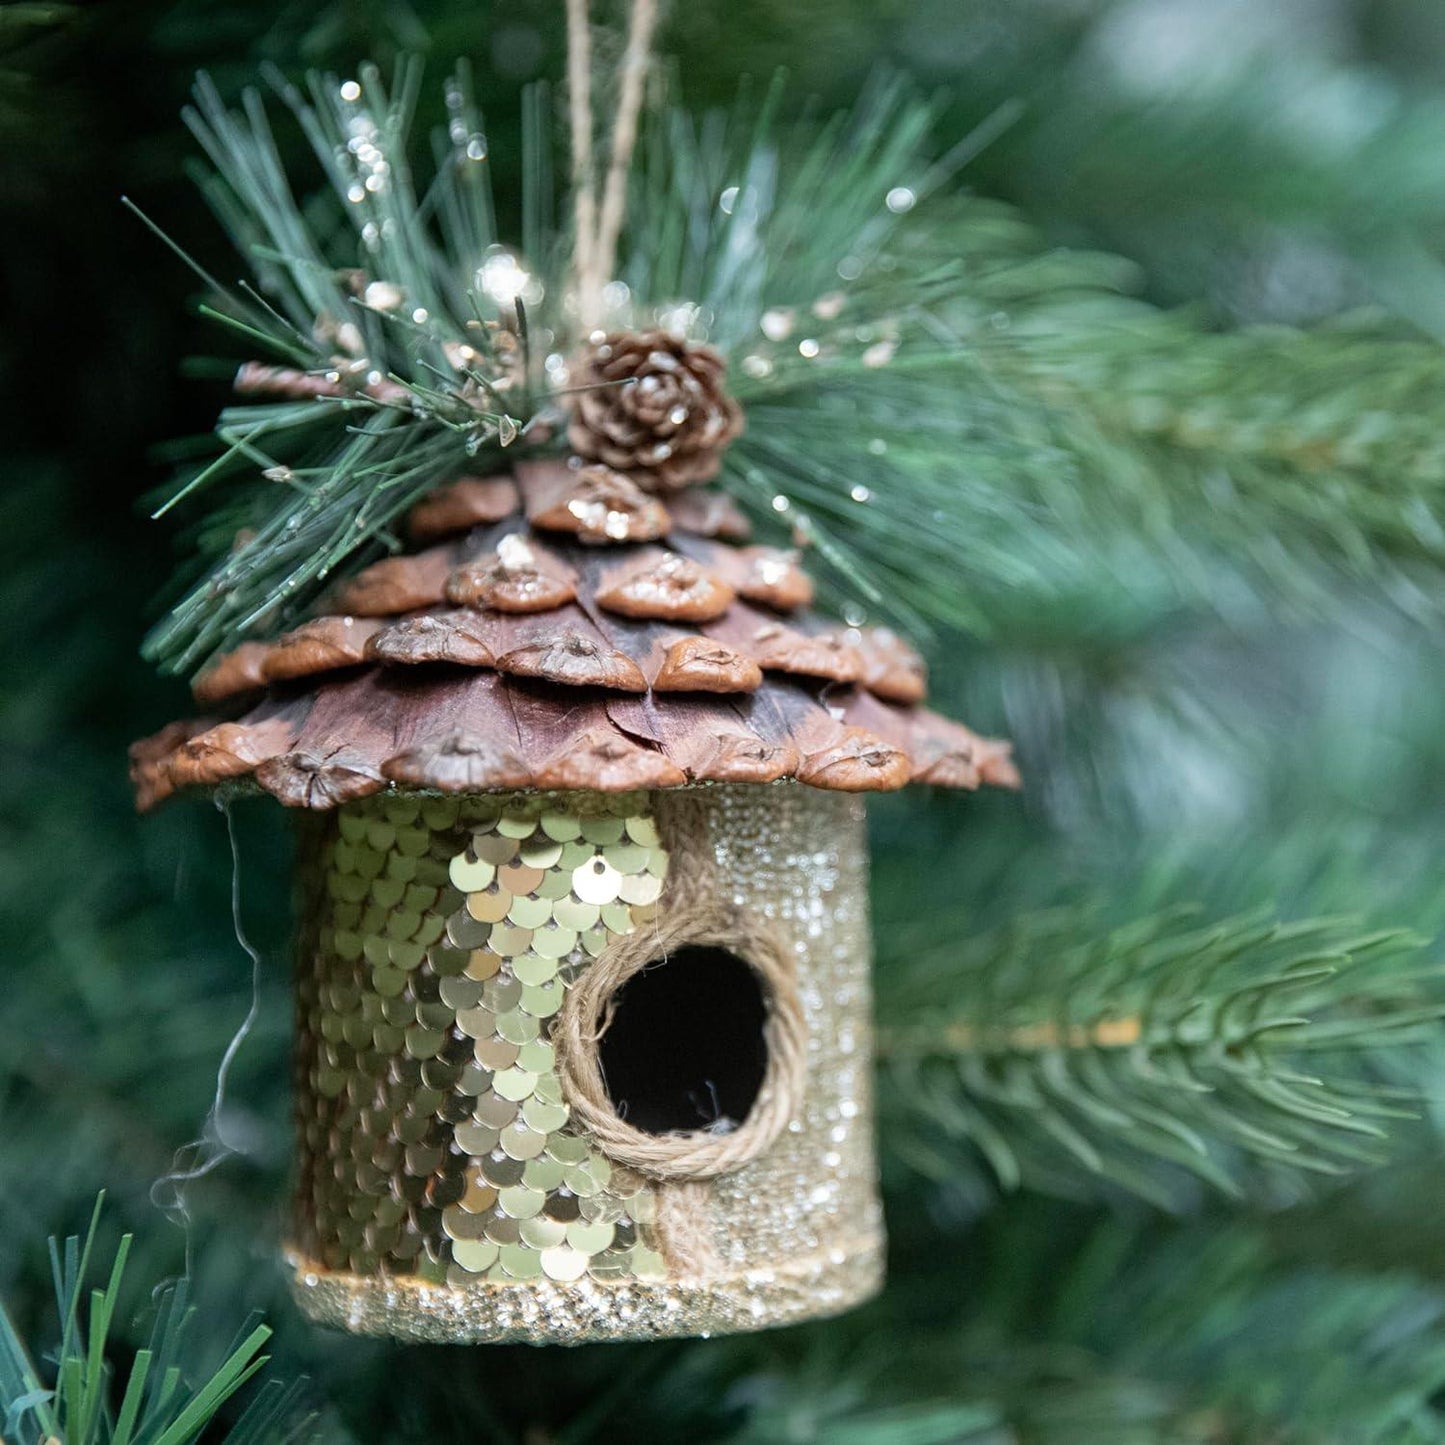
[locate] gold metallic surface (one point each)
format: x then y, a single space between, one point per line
601 1308
443 1193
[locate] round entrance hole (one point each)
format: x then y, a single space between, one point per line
685 1049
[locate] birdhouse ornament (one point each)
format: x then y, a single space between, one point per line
583 1041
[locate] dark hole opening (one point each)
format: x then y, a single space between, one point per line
685 1048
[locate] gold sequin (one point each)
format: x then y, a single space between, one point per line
540 853
538 1056
519 1202
529 912
502 993
563 1263
495 848
460 1223
477 1023
588 1237
489 907
518 1141
447 962
502 1170
493 1110
467 933
553 942
518 1027
532 970
503 1230
477 1138
479 1196
563 827
573 913
516 825
518 878
542 1116
514 1084
542 1000
627 858
596 881
475 1255
471 875
542 1233
556 885
543 1173
496 1053
521 1262
482 964
508 940
603 828
640 888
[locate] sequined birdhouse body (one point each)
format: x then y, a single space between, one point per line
584 1043
461 1177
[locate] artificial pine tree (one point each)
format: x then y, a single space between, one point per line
1157 1126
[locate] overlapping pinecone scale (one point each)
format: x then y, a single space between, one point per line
558 629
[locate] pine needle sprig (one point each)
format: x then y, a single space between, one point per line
402 338
394 358
1015 421
159 1404
1236 1053
736 214
1213 1314
995 368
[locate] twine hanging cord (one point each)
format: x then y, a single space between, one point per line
597 228
588 1011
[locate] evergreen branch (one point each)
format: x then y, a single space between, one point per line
1060 1328
1144 1055
1047 425
403 381
1219 1338
1024 423
1213 1313
390 329
157 1405
1044 425
1239 180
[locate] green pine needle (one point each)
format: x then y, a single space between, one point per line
157 1404
734 229
952 414
394 318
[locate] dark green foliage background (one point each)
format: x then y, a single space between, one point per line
1272 741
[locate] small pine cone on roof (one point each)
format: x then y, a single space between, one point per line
654 408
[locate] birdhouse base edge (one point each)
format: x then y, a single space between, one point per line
814 1286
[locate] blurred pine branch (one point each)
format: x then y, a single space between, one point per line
1061 1051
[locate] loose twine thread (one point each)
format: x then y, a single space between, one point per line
595 243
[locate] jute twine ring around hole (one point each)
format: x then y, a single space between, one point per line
588 1010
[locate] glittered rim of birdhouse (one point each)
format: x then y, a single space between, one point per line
586 1014
808 1287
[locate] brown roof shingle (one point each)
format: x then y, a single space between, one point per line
562 629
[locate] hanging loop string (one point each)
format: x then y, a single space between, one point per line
579 99
624 135
595 244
